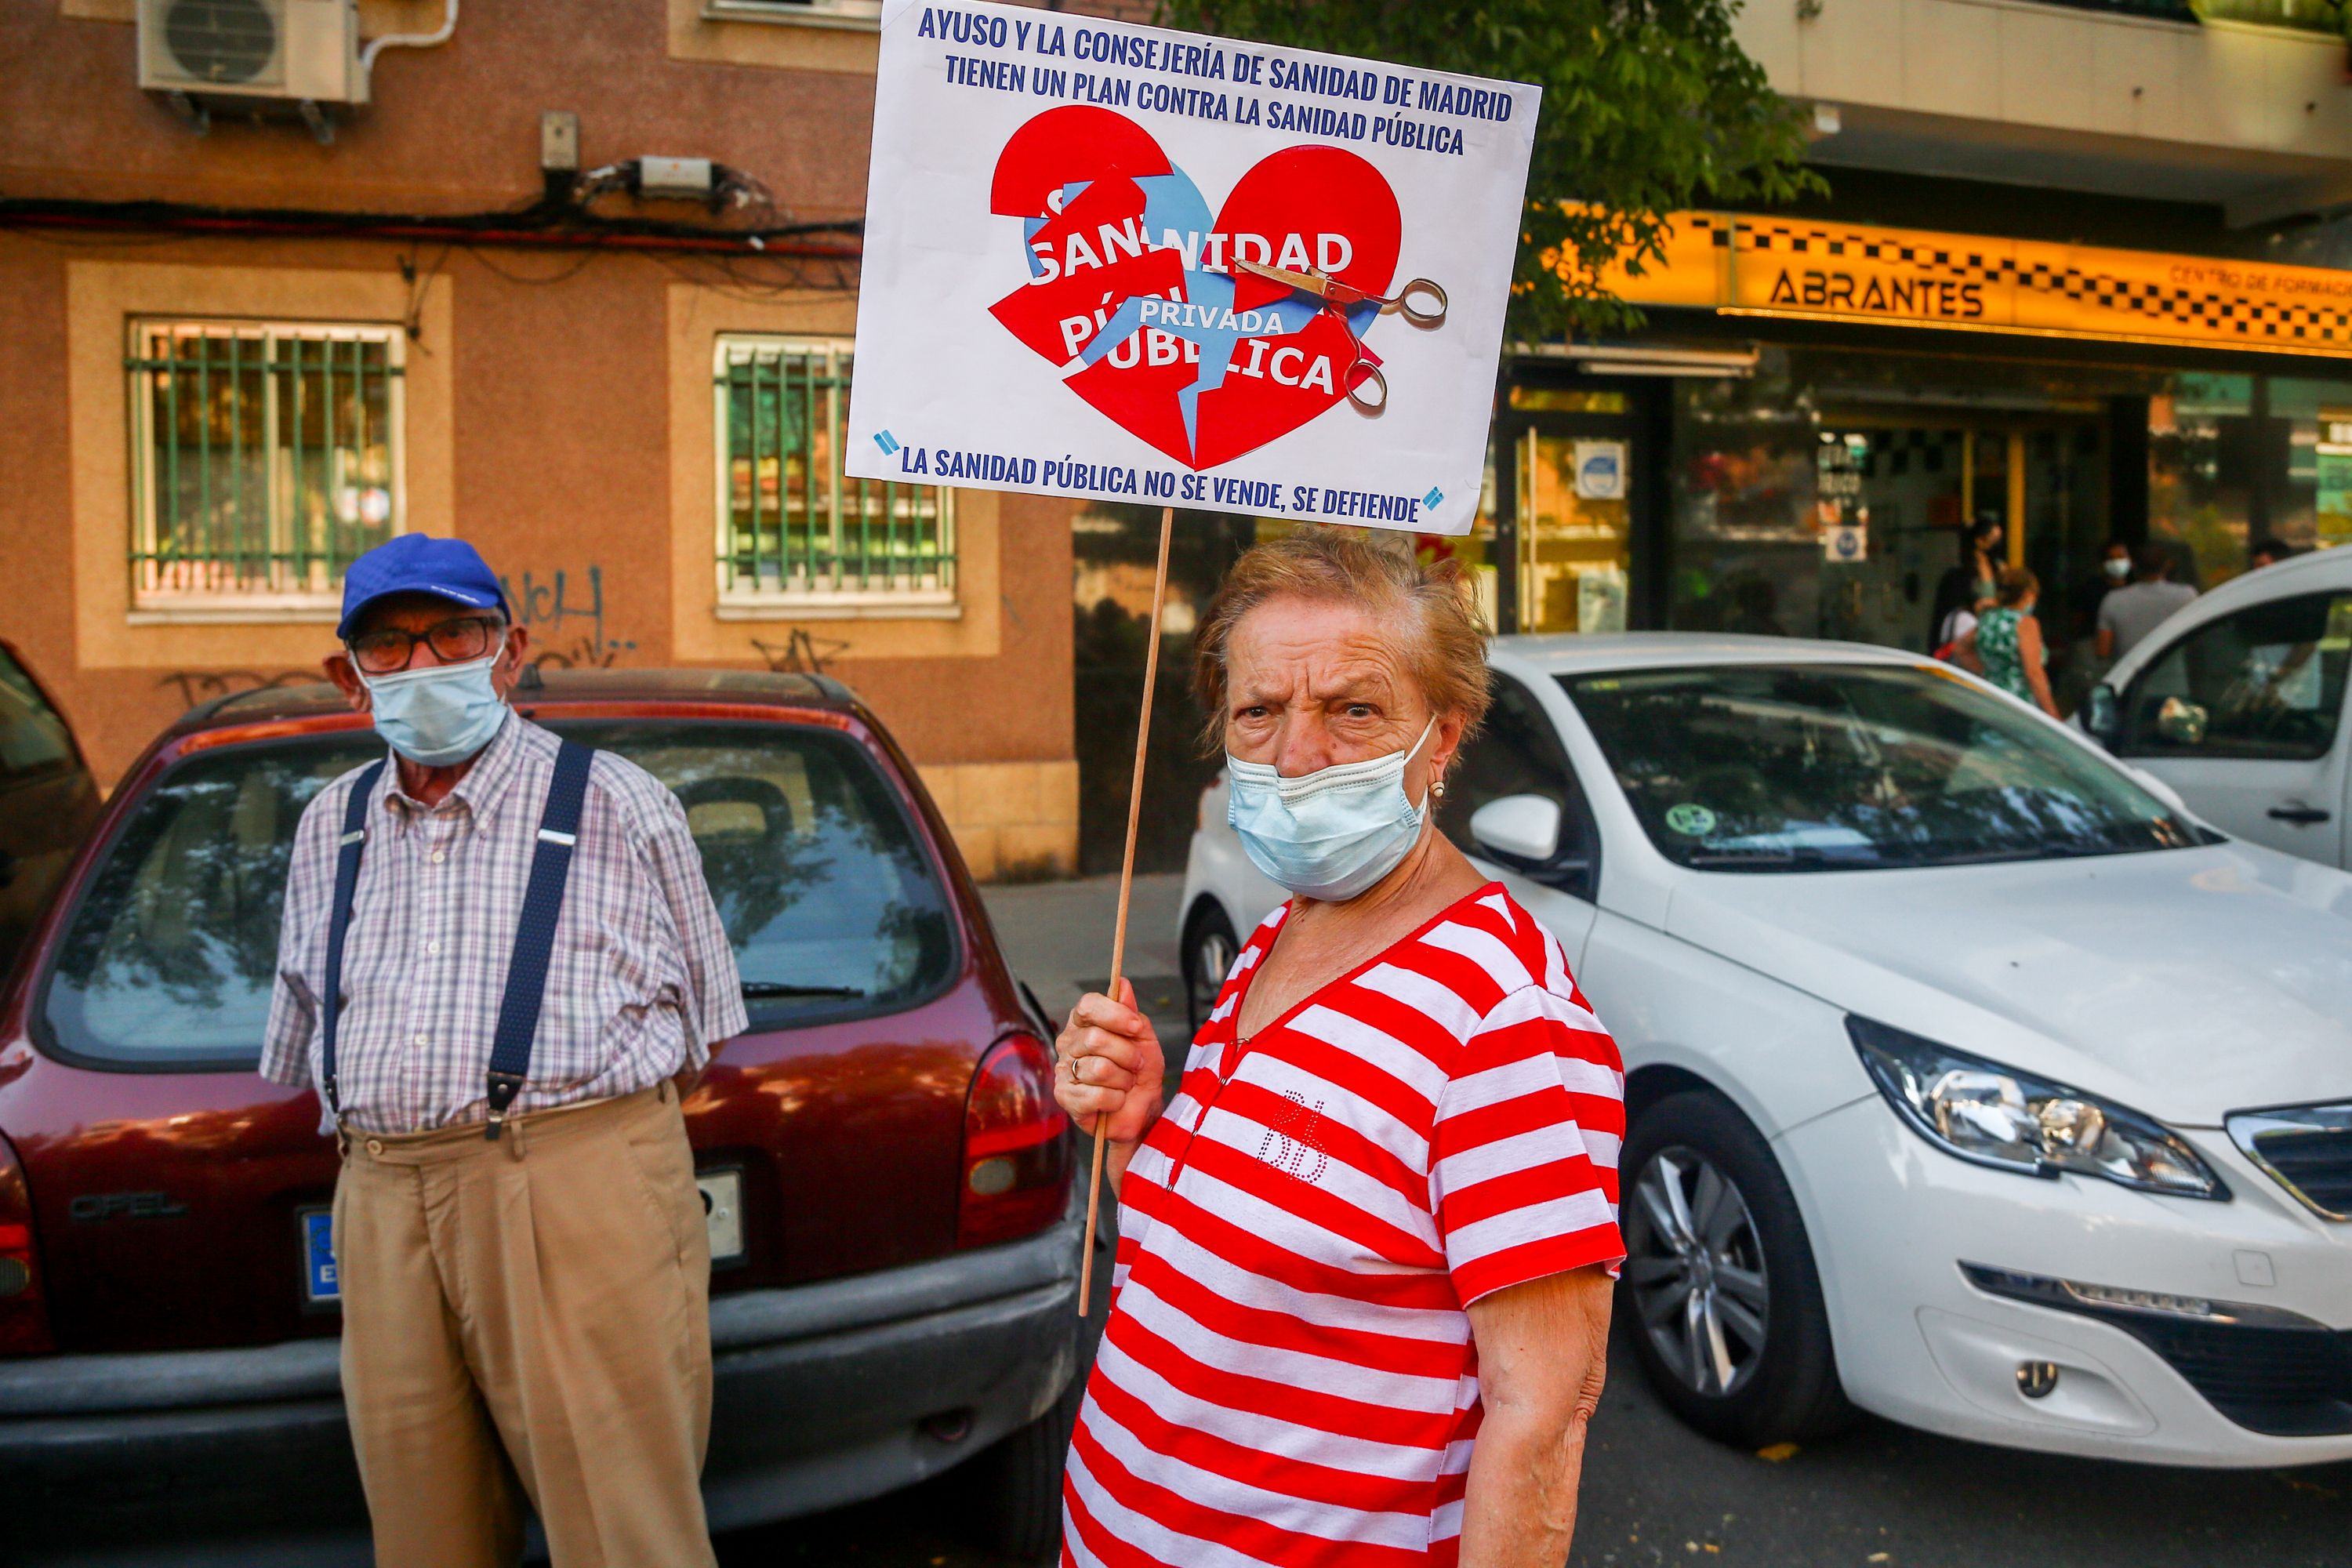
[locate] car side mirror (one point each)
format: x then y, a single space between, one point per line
1520 830
2102 715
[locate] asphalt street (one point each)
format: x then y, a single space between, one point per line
1656 1493
1058 938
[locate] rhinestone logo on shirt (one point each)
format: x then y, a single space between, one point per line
1293 1143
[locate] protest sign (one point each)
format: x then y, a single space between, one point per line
1117 262
1120 263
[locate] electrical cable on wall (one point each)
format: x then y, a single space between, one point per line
558 219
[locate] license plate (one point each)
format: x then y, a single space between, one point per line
320 1284
723 1212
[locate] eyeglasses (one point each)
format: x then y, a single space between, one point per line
455 640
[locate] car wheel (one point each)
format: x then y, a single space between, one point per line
1722 1298
1210 947
1020 1482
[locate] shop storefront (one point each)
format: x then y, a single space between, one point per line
1798 442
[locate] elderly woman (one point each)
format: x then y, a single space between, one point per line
1362 1287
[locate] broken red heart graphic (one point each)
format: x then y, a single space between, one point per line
1257 358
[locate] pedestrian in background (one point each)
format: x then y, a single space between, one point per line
1968 590
2008 644
1361 1302
2267 551
2129 614
501 967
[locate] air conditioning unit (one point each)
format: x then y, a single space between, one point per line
242 54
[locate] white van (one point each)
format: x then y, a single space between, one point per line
2237 703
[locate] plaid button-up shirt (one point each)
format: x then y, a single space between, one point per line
640 984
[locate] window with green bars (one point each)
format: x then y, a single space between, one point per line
794 532
265 456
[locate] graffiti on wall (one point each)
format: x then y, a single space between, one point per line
561 600
801 654
196 686
564 609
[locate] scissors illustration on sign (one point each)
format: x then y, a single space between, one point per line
1336 298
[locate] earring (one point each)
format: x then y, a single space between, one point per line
1437 787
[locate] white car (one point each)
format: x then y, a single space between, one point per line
1971 1080
2238 703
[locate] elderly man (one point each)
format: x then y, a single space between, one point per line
501 967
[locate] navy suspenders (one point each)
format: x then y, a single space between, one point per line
338 920
543 901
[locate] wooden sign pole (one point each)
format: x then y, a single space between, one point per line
1126 875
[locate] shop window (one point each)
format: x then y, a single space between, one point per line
2236 460
794 532
2331 478
1568 400
1575 532
2265 683
1746 493
265 456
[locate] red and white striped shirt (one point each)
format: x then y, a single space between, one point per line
1288 1377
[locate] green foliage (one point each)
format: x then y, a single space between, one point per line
2333 17
1648 106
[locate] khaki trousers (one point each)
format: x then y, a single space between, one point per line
533 1312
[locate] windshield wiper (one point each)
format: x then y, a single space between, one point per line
769 988
2055 847
1804 855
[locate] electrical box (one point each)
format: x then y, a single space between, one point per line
674 179
233 54
558 143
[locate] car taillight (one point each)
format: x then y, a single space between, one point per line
24 1319
1016 1160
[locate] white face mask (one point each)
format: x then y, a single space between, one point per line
1331 834
439 714
2118 570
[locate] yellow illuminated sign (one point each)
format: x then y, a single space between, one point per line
1852 272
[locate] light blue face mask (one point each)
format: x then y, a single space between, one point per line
439 715
1331 834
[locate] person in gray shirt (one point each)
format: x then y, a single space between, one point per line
2128 614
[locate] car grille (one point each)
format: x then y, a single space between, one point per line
2269 1371
2306 1149
2286 1383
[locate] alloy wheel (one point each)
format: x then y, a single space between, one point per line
1696 1266
1213 960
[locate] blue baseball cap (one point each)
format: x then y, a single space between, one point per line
449 568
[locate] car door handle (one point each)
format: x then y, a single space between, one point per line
2301 816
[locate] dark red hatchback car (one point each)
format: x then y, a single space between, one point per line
887 1179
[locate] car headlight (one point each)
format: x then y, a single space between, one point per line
2012 1120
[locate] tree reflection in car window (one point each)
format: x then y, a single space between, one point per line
1770 768
828 896
174 947
816 868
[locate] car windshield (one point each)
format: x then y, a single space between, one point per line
827 897
1757 767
